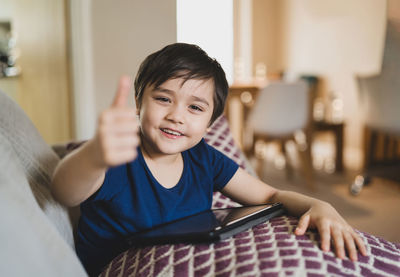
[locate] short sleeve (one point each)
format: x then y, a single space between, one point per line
223 167
115 179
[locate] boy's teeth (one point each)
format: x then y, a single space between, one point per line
172 132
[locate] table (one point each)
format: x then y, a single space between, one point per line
240 101
241 98
338 133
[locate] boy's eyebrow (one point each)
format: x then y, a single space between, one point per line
200 99
159 88
196 98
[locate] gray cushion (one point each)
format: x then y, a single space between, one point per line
35 228
37 159
30 243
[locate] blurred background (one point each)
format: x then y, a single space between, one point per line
61 60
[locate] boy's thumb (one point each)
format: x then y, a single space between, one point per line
121 96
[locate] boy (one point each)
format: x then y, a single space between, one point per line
126 182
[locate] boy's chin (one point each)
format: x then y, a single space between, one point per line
176 148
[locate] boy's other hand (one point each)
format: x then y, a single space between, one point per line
332 228
117 137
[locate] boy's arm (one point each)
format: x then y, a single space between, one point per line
78 175
249 190
82 172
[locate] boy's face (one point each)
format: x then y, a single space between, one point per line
175 116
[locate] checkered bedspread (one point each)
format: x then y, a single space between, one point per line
269 249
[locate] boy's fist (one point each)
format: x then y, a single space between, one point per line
117 133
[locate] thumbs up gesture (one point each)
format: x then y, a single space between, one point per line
117 132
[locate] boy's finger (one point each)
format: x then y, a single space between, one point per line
121 96
303 224
338 242
350 246
360 244
325 234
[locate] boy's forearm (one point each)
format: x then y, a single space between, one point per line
295 203
77 176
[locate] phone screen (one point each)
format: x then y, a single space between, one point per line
227 217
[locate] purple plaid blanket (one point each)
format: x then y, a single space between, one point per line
269 249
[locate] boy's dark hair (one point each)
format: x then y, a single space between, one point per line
182 60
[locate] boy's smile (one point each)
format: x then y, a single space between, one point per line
171 133
175 116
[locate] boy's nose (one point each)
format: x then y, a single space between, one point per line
176 115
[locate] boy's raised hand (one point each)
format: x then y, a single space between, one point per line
117 132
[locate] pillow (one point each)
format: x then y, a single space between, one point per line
220 137
30 244
37 160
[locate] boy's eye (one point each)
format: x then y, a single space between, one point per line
196 108
162 99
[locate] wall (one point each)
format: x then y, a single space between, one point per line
394 10
268 34
380 94
336 41
333 39
243 40
108 39
214 35
124 33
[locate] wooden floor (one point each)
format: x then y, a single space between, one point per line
376 210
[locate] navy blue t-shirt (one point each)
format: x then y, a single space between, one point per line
131 200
